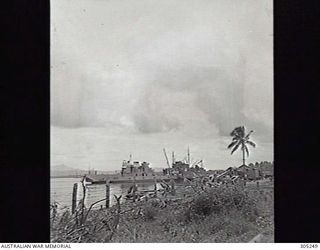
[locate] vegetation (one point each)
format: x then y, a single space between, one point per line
240 138
195 212
205 214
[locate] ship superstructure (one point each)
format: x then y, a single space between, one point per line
136 168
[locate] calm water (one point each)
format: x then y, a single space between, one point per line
61 191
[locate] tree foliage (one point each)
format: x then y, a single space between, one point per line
241 140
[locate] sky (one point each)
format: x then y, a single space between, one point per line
134 77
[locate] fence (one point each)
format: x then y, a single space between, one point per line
105 193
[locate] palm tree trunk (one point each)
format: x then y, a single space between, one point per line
243 156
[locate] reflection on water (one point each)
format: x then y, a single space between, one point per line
61 191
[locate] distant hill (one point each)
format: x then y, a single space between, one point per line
63 170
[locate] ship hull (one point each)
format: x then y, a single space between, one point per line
124 179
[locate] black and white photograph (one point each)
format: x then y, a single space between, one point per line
161 121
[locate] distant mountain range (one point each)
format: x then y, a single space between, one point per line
63 170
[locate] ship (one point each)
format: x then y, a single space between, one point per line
136 171
131 171
184 169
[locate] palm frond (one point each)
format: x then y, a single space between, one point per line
248 135
246 149
236 138
235 148
251 143
236 131
233 143
233 132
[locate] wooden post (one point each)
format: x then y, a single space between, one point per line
155 187
134 189
84 191
74 197
107 193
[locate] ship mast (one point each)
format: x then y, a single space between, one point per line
173 159
189 156
130 158
165 154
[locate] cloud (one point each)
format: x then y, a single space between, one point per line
188 69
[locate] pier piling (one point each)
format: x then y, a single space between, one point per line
155 187
134 189
74 197
107 193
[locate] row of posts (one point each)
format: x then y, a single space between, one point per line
107 199
75 192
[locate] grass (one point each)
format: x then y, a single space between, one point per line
223 214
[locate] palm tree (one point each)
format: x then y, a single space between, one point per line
239 138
